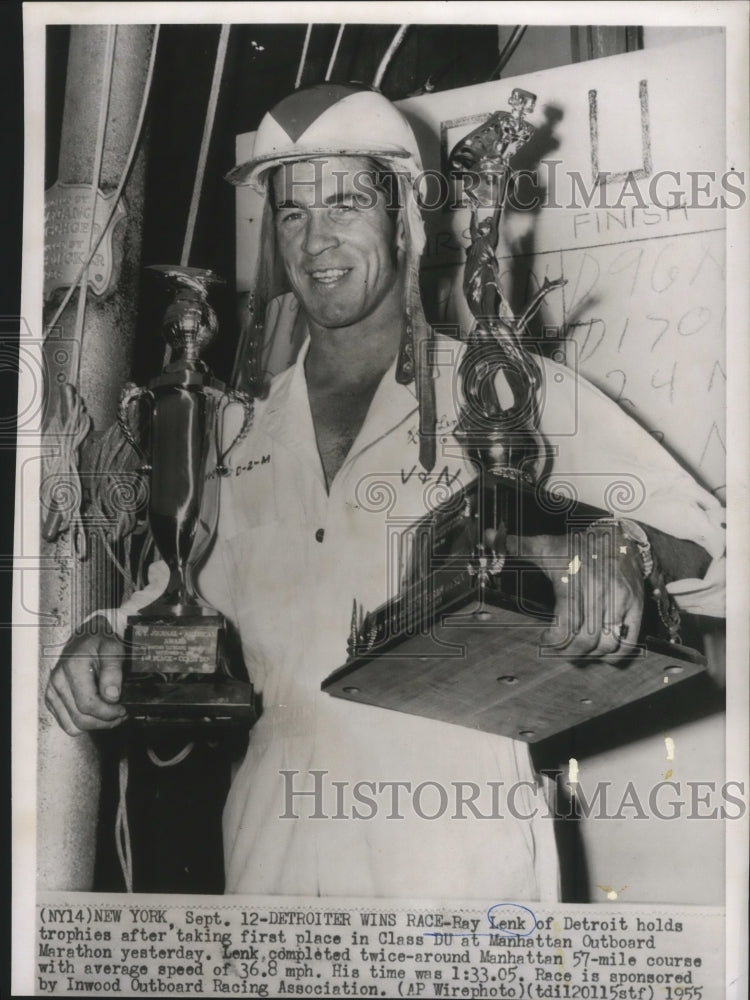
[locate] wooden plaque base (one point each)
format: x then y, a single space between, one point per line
481 666
447 650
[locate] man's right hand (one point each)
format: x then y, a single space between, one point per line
84 688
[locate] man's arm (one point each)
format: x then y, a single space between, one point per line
659 498
84 687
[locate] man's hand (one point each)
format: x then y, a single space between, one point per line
84 688
597 578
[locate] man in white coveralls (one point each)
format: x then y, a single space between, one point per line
302 532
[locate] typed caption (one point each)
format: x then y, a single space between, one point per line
267 947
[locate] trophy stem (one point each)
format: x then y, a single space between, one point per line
180 598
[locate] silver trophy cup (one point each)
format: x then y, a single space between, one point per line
177 666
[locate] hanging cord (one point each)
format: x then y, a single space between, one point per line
335 51
122 827
120 188
177 759
507 51
213 99
200 171
391 51
303 57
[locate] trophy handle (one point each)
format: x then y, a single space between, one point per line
245 400
130 394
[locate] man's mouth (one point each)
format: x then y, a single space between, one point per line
328 275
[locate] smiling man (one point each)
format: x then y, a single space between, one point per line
350 446
341 250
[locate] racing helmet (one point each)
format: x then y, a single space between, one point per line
330 119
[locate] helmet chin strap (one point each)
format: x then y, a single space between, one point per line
415 355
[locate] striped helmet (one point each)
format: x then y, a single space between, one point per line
330 119
333 119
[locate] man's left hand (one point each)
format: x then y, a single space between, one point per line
597 578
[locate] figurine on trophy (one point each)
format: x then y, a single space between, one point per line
498 431
177 667
501 435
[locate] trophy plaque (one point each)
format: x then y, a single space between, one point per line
461 642
177 668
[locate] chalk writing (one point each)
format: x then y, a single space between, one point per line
713 435
661 300
716 365
707 255
672 270
668 384
619 398
660 334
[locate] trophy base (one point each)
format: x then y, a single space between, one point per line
177 672
216 702
450 649
479 664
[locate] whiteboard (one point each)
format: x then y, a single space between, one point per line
643 312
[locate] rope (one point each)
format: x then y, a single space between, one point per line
303 57
391 51
221 52
122 827
62 493
177 759
117 494
335 51
120 188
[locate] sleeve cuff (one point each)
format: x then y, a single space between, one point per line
158 576
706 596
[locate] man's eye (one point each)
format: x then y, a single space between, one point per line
290 216
342 207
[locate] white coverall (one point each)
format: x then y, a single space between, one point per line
289 559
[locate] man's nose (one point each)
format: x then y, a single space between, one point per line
319 233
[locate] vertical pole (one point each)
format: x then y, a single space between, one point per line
68 777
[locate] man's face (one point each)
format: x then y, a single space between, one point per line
336 239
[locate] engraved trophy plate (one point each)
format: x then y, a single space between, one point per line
182 648
177 666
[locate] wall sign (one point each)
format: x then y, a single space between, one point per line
69 232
